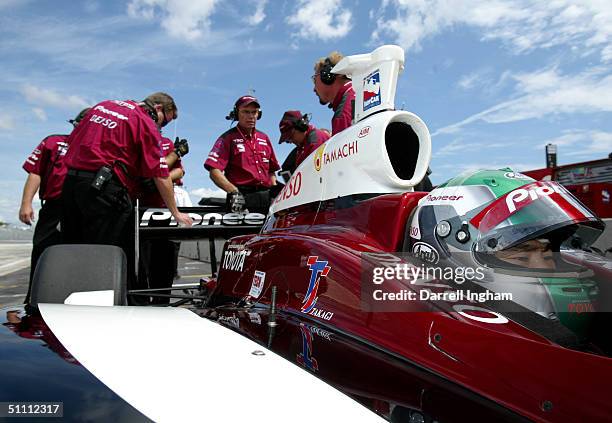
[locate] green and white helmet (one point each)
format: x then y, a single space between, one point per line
475 218
487 211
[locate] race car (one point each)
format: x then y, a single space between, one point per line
479 301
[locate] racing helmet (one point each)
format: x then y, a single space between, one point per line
478 218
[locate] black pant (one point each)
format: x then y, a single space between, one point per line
46 234
157 266
106 216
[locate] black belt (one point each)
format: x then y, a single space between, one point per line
76 172
91 175
249 189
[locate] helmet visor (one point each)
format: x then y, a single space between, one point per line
537 210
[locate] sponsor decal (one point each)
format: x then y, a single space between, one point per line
318 157
232 321
432 198
124 104
364 132
305 358
605 196
241 148
292 189
257 284
163 218
346 150
519 198
321 314
109 123
371 90
254 317
514 201
234 258
415 232
425 252
110 112
515 175
318 269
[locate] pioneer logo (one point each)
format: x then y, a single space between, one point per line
531 194
158 217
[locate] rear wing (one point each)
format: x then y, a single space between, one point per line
209 222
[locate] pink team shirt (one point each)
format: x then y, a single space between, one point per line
314 138
246 160
47 161
343 108
153 199
114 132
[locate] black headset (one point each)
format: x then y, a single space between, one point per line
302 123
327 77
151 110
233 114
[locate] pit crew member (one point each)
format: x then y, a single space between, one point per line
158 255
334 90
242 161
46 172
296 128
118 143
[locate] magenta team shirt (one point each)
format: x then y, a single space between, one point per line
47 161
343 108
314 138
154 199
246 160
118 131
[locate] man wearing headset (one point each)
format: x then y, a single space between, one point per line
115 145
334 90
242 161
296 128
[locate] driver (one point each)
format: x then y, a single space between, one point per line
513 228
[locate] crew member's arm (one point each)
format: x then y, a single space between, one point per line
221 181
272 179
164 187
176 173
26 213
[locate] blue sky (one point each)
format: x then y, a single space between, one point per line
495 80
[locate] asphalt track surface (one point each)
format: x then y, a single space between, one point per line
15 271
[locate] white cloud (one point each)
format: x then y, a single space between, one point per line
460 146
523 25
582 143
321 19
207 192
6 121
547 92
46 97
258 16
183 19
40 113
